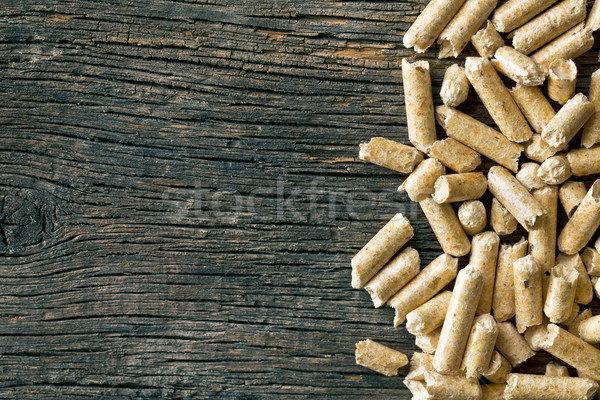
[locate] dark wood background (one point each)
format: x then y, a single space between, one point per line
181 196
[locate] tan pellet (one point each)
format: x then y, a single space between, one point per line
484 255
493 392
504 285
514 196
397 273
538 150
584 292
373 256
548 25
455 155
534 105
542 237
455 86
472 217
572 350
562 80
527 175
487 40
447 228
541 387
497 99
569 45
419 184
512 345
535 334
428 316
479 137
583 224
452 387
419 364
430 23
465 23
596 286
379 358
480 346
515 13
573 327
459 187
593 20
568 121
429 341
589 329
502 220
570 194
498 368
555 369
584 161
528 292
591 129
420 119
418 389
457 324
555 170
561 293
591 259
424 286
518 67
390 154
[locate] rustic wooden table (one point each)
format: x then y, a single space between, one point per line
181 196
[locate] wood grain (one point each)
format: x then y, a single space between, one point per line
180 195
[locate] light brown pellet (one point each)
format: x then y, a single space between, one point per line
555 170
420 119
472 217
518 67
528 177
424 286
419 364
484 255
479 137
459 187
429 341
591 259
584 292
498 368
593 20
502 220
573 326
569 45
397 273
562 79
561 293
570 194
493 392
512 345
528 293
535 334
455 155
541 387
591 129
452 387
497 99
445 226
418 389
389 154
373 256
379 358
455 86
428 316
535 107
583 224
419 184
589 329
487 40
584 161
515 13
555 369
538 150
480 346
504 286
596 286
568 121
542 237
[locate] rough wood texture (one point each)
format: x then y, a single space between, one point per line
181 197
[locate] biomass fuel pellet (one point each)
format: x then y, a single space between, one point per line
562 80
419 364
487 40
583 224
518 67
515 13
570 194
502 220
584 292
504 287
420 119
591 259
418 389
535 107
528 292
452 387
538 150
419 184
429 341
498 368
446 227
555 170
591 129
542 237
555 369
573 326
472 217
527 175
459 187
512 345
379 358
584 161
569 45
480 346
541 387
589 329
428 316
455 86
484 255
389 154
455 155
561 293
568 121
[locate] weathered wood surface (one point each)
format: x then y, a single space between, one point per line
181 195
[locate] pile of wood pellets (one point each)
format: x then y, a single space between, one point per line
512 299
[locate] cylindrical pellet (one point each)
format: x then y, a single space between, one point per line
573 326
527 175
417 388
484 254
583 224
569 45
429 341
541 387
589 329
380 249
561 293
461 311
568 121
514 196
465 23
538 150
584 161
389 154
472 216
379 358
424 286
428 316
542 237
591 259
445 225
534 105
593 20
554 369
452 387
493 392
420 119
584 292
430 23
459 187
555 170
496 99
498 368
548 25
528 293
515 13
479 137
480 346
512 345
504 285
570 194
591 129
419 184
562 79
502 220
455 155
419 364
455 86
397 273
487 40
518 67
